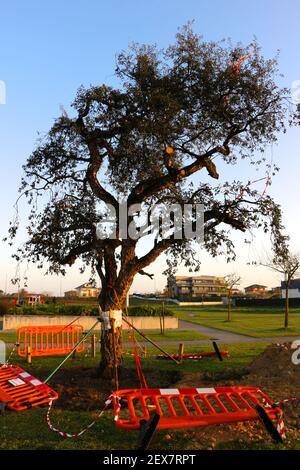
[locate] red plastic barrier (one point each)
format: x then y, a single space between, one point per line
49 340
189 407
19 390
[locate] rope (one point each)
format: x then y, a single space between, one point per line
267 178
140 373
286 400
149 340
71 323
281 403
141 376
66 435
280 425
71 352
10 355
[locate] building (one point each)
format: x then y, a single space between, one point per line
196 287
87 290
69 294
294 289
256 290
31 299
275 292
235 292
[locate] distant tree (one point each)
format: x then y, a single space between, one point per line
175 114
287 263
4 308
231 281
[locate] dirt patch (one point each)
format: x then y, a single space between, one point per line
80 388
275 363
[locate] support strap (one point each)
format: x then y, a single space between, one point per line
115 315
141 376
71 352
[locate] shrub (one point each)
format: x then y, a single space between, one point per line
149 311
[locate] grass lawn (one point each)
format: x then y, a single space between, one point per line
28 429
169 335
258 322
9 336
176 335
240 355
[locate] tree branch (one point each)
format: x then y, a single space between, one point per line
143 273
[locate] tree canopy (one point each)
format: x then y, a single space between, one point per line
207 101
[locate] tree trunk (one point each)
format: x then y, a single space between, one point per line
286 313
111 339
229 308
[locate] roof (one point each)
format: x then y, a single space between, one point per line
30 295
295 284
87 285
196 277
255 286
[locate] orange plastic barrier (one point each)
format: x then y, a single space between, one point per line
189 407
49 340
194 355
19 390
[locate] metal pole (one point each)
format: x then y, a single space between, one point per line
93 345
180 351
148 339
28 354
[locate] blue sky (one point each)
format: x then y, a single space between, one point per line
49 48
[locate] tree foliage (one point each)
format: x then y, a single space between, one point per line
188 97
287 263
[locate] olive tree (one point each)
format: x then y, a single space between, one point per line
176 115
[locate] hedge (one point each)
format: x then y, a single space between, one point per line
58 309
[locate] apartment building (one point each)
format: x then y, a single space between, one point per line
196 287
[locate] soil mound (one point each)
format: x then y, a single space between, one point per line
275 362
274 372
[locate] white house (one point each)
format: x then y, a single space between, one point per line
87 290
294 290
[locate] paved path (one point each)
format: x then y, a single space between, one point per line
214 333
228 336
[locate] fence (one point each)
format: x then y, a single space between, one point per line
49 340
